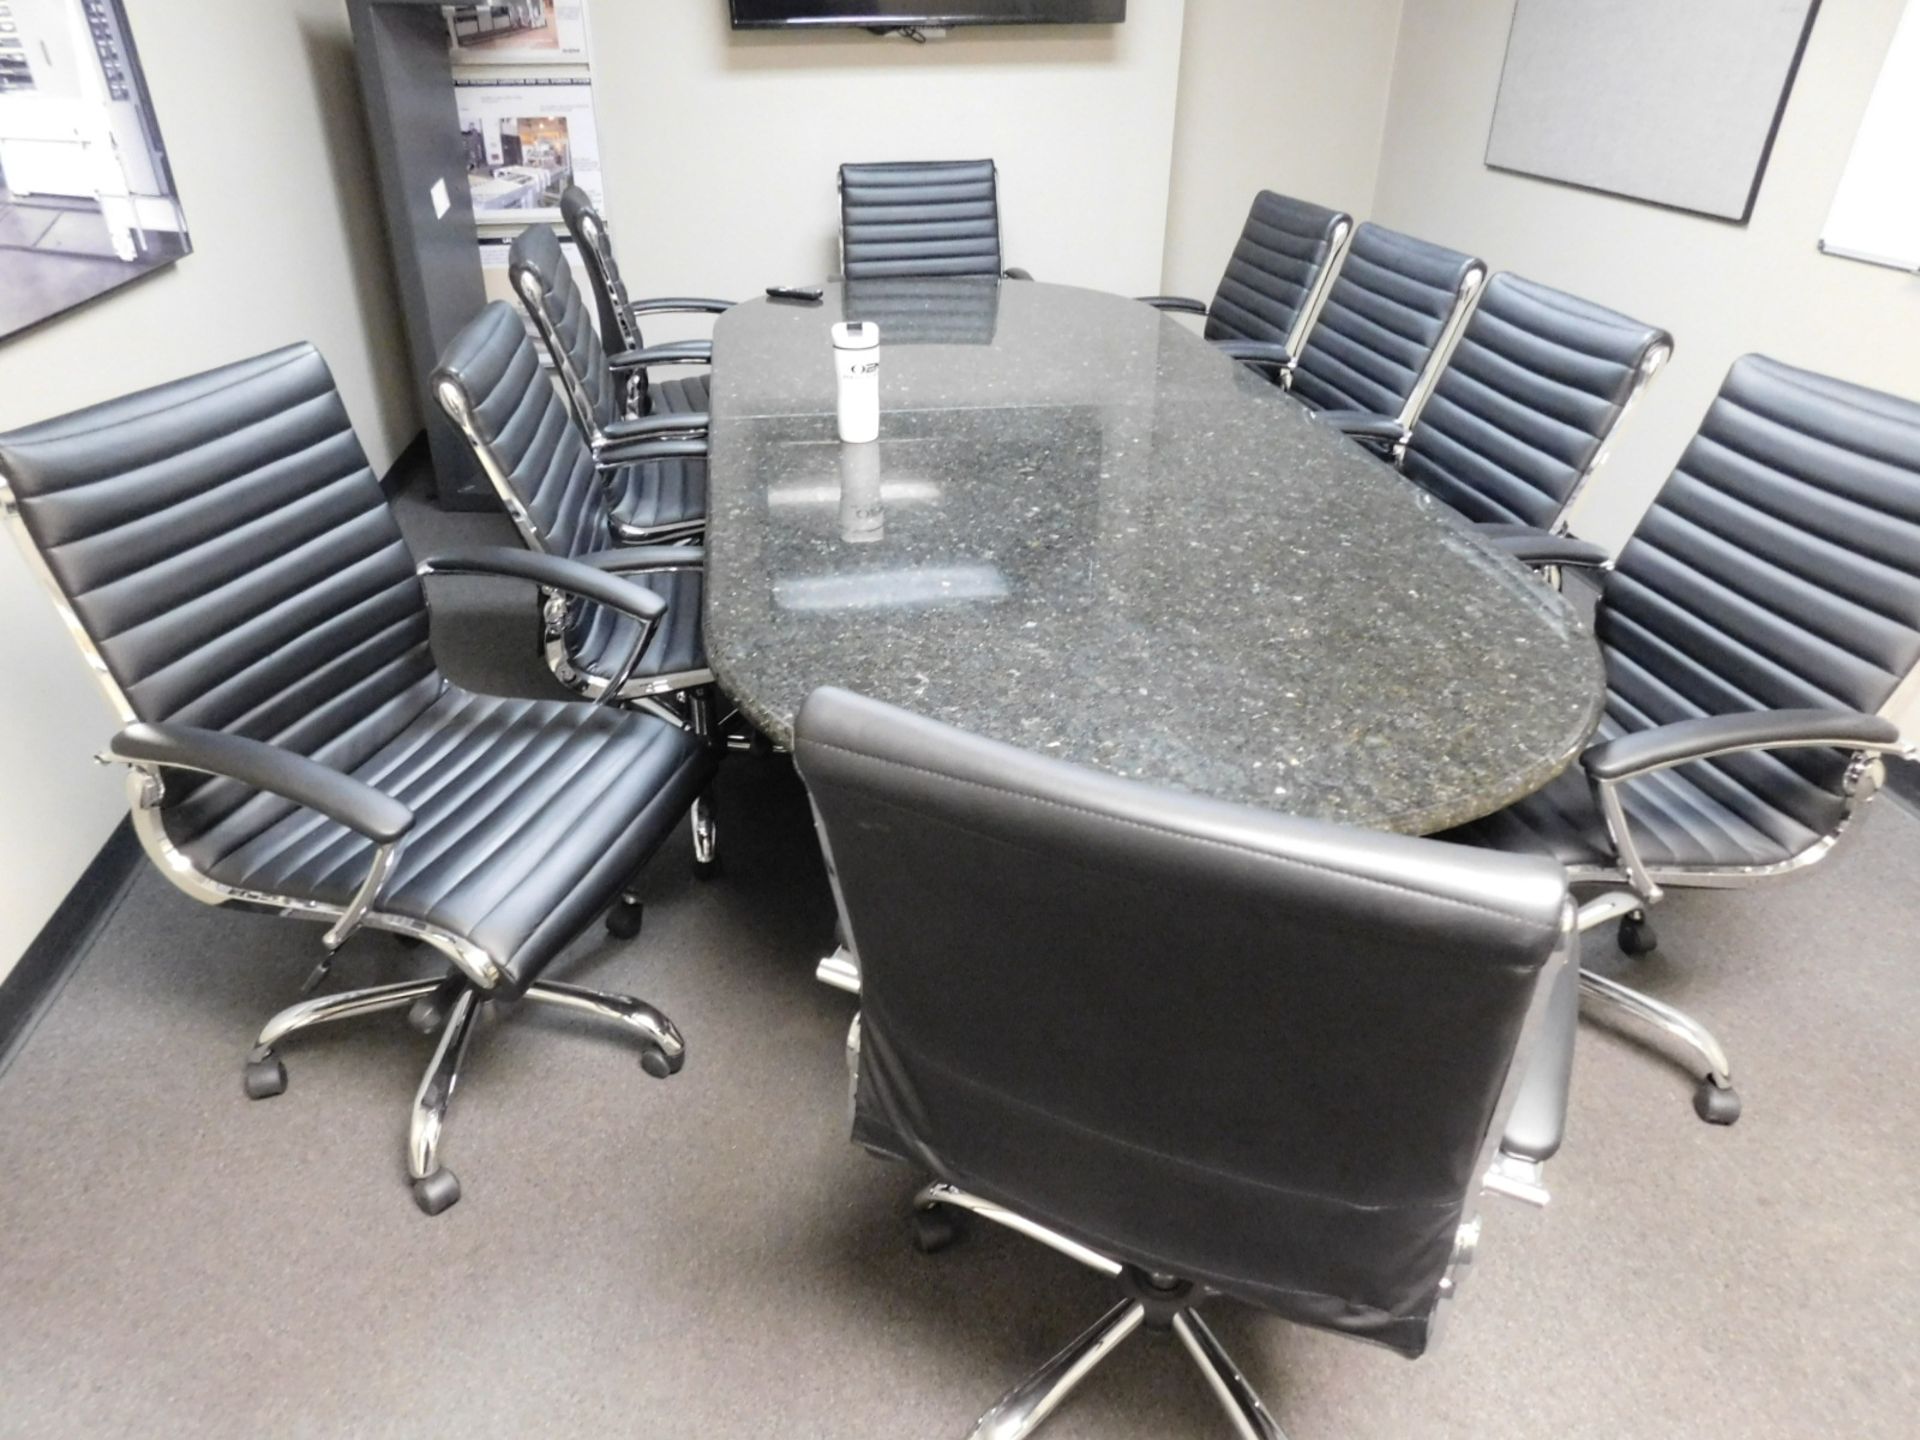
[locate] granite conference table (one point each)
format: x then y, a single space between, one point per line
1086 532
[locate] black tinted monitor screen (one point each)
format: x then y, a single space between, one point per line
754 14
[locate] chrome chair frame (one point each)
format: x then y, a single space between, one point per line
683 697
1465 297
466 987
1308 315
1168 1303
575 386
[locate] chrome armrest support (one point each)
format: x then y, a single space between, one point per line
1613 763
365 898
559 576
1606 794
151 749
1517 1179
840 970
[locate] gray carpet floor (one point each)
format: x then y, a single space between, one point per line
709 1256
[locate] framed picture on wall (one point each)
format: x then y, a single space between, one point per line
1672 103
87 201
519 32
526 142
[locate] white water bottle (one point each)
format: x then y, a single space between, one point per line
856 359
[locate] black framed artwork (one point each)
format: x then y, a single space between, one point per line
87 200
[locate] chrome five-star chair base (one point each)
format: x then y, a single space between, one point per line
1157 1302
452 1007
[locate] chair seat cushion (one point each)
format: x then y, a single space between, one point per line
603 638
1674 818
530 815
657 493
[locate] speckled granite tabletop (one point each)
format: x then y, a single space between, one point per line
1085 532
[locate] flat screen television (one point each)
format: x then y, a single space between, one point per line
898 14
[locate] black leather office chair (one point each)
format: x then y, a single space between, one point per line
490 384
1206 1049
1761 633
1389 323
656 461
1282 268
921 217
1520 418
620 314
224 556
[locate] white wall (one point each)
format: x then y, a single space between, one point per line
260 110
1722 289
721 148
1286 95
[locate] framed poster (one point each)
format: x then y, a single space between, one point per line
526 141
1655 100
87 202
519 32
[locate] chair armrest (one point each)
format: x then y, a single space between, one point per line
286 773
1538 1120
1365 425
679 305
1178 304
1257 352
674 352
1543 547
657 427
1711 735
554 572
1014 272
640 559
636 452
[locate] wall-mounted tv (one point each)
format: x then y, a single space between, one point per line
902 14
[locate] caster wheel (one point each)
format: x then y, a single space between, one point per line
706 869
1636 935
436 1192
936 1228
623 920
1716 1104
265 1078
654 1061
427 1014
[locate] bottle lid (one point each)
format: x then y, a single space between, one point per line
856 335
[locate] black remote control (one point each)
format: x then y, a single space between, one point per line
800 294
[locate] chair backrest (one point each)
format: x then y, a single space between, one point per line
1520 417
1265 1054
925 217
618 328
1778 568
490 384
541 277
224 554
1390 318
1281 268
